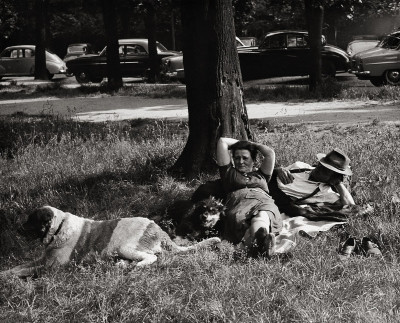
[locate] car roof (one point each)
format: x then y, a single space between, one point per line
21 46
79 44
286 31
132 40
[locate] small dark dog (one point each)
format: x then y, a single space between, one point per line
199 220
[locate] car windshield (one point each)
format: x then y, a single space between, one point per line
390 42
161 48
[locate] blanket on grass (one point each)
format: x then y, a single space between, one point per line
294 226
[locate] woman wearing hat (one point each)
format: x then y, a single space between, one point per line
305 184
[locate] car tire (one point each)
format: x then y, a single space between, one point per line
49 75
392 77
377 81
82 77
328 69
96 79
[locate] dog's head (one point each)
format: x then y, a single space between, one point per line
208 213
41 224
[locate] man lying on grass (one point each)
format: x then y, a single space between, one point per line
321 188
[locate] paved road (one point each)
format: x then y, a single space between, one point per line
105 107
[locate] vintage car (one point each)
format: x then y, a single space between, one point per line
172 67
281 53
381 64
20 61
287 53
77 50
133 56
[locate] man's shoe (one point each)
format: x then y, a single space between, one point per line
347 248
370 248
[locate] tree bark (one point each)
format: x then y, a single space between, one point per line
314 16
114 75
40 48
214 84
150 22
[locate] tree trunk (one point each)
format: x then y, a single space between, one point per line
114 75
214 84
173 40
150 22
314 16
40 48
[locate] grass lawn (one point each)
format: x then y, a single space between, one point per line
119 169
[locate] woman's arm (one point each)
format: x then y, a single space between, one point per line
223 154
268 163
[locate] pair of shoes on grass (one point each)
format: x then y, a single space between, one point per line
365 247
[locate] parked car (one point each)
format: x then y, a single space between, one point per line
172 67
287 53
20 61
134 61
281 53
77 50
381 64
359 45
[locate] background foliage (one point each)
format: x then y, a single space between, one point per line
81 21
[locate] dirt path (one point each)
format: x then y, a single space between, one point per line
103 108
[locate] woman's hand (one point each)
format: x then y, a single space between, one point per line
284 175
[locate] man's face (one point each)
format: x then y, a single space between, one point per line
243 161
325 175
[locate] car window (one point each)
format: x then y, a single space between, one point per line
274 41
160 47
29 52
17 53
301 41
390 42
6 54
135 50
294 40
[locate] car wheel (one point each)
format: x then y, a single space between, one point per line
96 79
82 77
49 75
392 77
328 69
377 81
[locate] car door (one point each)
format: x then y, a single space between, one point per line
12 62
28 62
297 55
134 60
266 61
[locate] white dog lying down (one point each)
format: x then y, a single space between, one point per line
67 236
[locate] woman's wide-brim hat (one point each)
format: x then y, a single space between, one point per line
337 161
